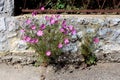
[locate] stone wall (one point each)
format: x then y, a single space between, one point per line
109 34
6 7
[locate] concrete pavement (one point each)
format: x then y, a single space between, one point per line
101 71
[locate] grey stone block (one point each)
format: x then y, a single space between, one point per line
4 47
6 7
2 25
2 5
11 24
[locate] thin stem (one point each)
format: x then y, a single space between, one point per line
114 4
118 5
103 4
98 3
25 4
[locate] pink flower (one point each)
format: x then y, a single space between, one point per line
40 33
73 32
33 27
96 40
24 37
22 30
65 27
34 13
64 23
32 41
28 21
27 39
48 53
62 30
36 40
47 18
56 21
66 32
42 8
70 27
43 26
60 45
52 21
66 40
53 16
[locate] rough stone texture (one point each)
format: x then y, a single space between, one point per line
109 34
3 35
26 58
6 7
2 5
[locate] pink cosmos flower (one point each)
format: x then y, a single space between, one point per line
36 40
53 16
34 13
32 41
64 23
52 21
65 27
43 26
73 32
66 32
60 45
42 8
27 39
66 40
40 33
47 18
62 30
48 53
24 37
96 40
28 21
56 21
70 27
33 27
22 30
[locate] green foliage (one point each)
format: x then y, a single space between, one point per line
60 5
88 47
47 38
49 41
73 4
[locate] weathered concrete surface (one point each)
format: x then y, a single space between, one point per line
19 73
102 71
